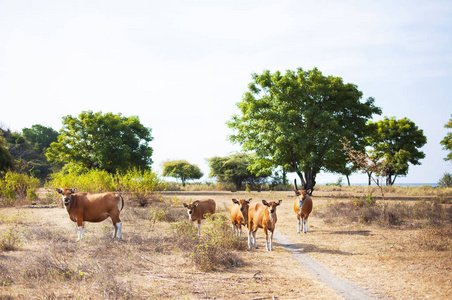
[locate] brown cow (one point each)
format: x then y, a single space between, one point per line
262 216
198 209
239 215
89 207
302 207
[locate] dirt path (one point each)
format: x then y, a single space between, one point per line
344 287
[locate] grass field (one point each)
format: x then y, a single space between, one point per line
407 257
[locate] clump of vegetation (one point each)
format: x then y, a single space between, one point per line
11 239
446 181
15 186
139 185
216 246
367 210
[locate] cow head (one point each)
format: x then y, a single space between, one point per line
244 204
67 195
271 205
300 194
191 208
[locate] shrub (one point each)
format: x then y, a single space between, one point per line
215 247
17 185
446 181
94 181
141 185
10 239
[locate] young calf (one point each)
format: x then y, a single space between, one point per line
302 207
262 216
198 209
239 215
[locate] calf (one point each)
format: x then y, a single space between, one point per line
262 216
239 215
89 207
302 207
198 209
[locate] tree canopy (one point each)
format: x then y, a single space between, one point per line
397 143
181 169
234 169
40 136
108 142
6 159
298 119
447 141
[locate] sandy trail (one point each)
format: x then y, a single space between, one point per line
344 287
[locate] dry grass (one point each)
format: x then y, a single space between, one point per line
156 261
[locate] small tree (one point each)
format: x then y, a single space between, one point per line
181 169
447 141
235 169
373 168
397 142
446 181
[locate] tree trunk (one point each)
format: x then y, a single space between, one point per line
310 181
348 180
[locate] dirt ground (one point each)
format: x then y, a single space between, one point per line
381 262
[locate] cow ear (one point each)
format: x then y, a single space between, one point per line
309 192
195 205
59 191
249 200
279 202
185 204
73 190
235 201
265 202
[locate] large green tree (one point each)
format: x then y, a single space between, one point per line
235 169
298 119
181 169
40 136
397 144
108 141
447 141
6 159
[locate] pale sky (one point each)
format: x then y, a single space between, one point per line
181 66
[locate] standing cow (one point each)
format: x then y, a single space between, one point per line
239 215
262 216
89 207
199 209
302 207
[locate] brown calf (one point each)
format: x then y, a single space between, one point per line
302 207
239 215
89 207
198 209
262 216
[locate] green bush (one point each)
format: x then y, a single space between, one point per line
215 247
139 184
15 186
446 181
94 181
10 239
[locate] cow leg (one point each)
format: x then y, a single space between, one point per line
305 221
271 240
239 230
249 239
118 230
300 226
267 244
254 238
199 227
80 228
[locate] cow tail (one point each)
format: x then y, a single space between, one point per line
120 203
